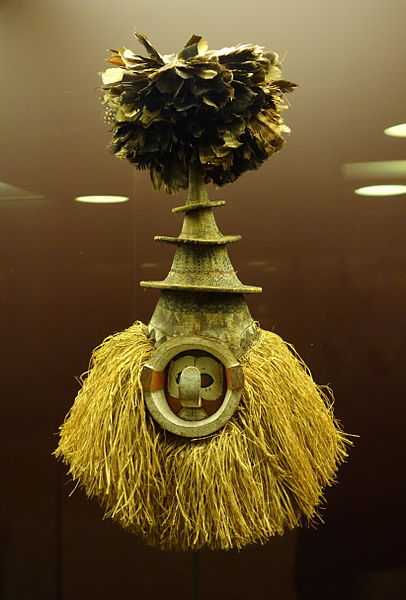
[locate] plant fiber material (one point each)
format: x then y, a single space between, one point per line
261 474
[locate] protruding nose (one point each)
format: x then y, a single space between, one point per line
189 387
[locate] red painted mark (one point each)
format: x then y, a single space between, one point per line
157 381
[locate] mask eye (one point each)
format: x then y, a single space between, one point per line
206 380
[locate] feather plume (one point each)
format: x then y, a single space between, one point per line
218 108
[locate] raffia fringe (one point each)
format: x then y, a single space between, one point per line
262 473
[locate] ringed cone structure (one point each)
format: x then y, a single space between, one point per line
202 294
200 430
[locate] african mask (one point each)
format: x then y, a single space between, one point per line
236 466
192 385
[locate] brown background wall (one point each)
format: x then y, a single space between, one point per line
332 266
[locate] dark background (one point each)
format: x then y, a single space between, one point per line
332 266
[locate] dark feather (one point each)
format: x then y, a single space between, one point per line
150 49
221 109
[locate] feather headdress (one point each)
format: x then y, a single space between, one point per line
220 109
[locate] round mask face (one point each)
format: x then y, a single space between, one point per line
192 385
204 394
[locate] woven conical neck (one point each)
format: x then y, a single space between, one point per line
202 295
201 262
224 317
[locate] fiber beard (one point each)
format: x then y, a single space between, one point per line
261 474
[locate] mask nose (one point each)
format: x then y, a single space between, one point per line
189 387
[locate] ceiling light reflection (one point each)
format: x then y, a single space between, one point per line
396 130
378 168
381 190
10 192
102 199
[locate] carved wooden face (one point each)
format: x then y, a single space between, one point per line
192 385
195 385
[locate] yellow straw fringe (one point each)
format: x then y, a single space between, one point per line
261 474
